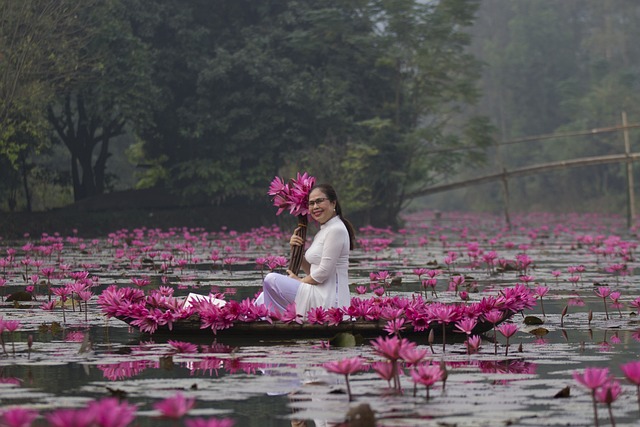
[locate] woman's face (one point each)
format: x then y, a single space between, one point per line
320 207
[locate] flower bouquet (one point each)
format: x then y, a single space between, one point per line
294 197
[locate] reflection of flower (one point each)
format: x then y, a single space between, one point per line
509 366
122 370
292 196
211 422
182 346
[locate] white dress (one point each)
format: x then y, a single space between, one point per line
328 257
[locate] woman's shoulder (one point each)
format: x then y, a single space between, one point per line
335 225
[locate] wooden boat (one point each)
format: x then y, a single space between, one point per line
229 321
282 330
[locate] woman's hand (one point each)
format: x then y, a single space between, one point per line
296 240
307 279
293 275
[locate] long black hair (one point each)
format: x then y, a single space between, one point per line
331 194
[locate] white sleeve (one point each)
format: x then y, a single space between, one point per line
331 250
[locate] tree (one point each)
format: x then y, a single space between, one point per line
415 118
255 87
103 98
38 45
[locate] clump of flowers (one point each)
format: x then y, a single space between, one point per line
293 195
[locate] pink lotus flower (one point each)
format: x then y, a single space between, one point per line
385 370
292 196
411 354
593 378
609 392
394 326
631 371
466 325
427 375
345 367
175 407
389 347
17 417
473 344
71 418
317 315
110 412
420 272
361 290
604 292
508 330
140 281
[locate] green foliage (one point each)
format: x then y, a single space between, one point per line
349 89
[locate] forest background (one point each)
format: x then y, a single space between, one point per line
198 104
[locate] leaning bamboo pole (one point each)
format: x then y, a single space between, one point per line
529 170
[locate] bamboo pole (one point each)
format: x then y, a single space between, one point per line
529 170
631 202
505 195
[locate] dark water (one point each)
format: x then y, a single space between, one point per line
259 382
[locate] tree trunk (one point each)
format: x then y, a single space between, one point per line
24 169
78 193
101 165
81 133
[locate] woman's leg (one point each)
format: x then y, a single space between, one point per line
279 291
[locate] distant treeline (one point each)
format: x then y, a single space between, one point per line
212 98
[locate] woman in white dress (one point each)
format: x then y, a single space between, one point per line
325 263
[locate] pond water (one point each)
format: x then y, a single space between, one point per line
79 355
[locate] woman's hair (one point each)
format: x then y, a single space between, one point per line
331 194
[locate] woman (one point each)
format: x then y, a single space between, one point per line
325 263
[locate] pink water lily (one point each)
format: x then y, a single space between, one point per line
346 367
631 371
292 196
110 412
593 379
427 375
508 330
17 417
175 407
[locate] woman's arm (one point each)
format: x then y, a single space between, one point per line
332 248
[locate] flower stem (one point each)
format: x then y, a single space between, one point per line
346 380
595 408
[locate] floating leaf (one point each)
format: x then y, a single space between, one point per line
343 339
539 332
533 320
